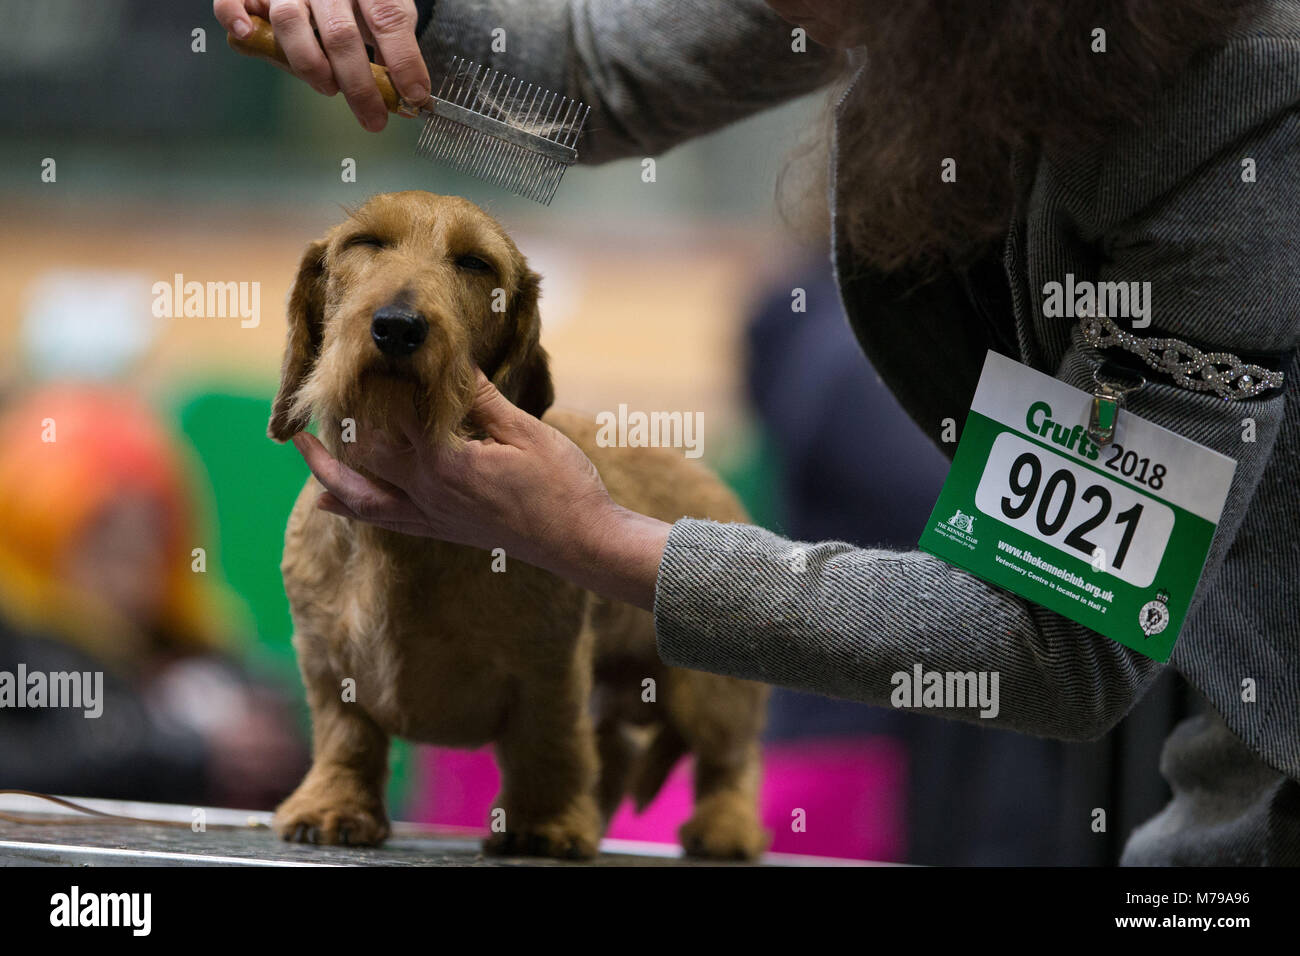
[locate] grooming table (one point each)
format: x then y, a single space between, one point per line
65 841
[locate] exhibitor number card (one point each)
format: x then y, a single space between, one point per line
1112 536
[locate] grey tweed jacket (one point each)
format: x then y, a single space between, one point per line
1164 202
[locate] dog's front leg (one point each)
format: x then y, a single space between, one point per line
341 800
547 756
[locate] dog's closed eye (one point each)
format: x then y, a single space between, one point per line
471 263
365 239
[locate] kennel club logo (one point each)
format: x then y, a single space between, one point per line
57 689
963 522
208 300
633 429
1154 616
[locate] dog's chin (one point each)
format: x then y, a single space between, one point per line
392 399
389 397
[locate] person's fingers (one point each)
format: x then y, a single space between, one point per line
497 415
405 429
292 24
233 17
347 55
364 28
392 24
394 461
345 483
327 502
363 497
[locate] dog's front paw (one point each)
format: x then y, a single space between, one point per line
573 836
543 841
724 829
346 821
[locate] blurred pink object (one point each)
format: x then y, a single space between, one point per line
850 789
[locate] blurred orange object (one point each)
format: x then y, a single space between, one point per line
96 527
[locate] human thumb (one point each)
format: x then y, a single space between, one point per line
496 414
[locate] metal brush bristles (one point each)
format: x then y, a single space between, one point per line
492 126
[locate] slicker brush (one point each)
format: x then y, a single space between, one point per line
481 121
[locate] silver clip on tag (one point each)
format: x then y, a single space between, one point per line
1107 399
1105 412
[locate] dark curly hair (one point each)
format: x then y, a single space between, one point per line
976 80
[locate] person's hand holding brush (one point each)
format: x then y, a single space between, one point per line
325 42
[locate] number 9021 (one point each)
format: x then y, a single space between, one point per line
1055 500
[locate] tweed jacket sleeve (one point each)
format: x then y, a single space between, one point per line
654 74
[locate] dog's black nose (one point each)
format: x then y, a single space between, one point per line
397 330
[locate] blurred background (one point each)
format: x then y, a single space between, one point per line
146 540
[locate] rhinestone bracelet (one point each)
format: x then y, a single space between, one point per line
1220 372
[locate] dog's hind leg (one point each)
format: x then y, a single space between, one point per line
341 800
725 824
720 719
618 753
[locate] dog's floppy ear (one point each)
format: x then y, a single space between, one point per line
302 344
524 373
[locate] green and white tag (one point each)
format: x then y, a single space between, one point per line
1112 537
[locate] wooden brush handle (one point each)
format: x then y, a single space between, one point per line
261 43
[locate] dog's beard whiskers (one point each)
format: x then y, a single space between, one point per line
303 408
377 402
441 408
348 399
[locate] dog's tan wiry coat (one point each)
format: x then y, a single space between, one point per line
442 649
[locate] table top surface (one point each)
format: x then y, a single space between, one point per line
61 837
